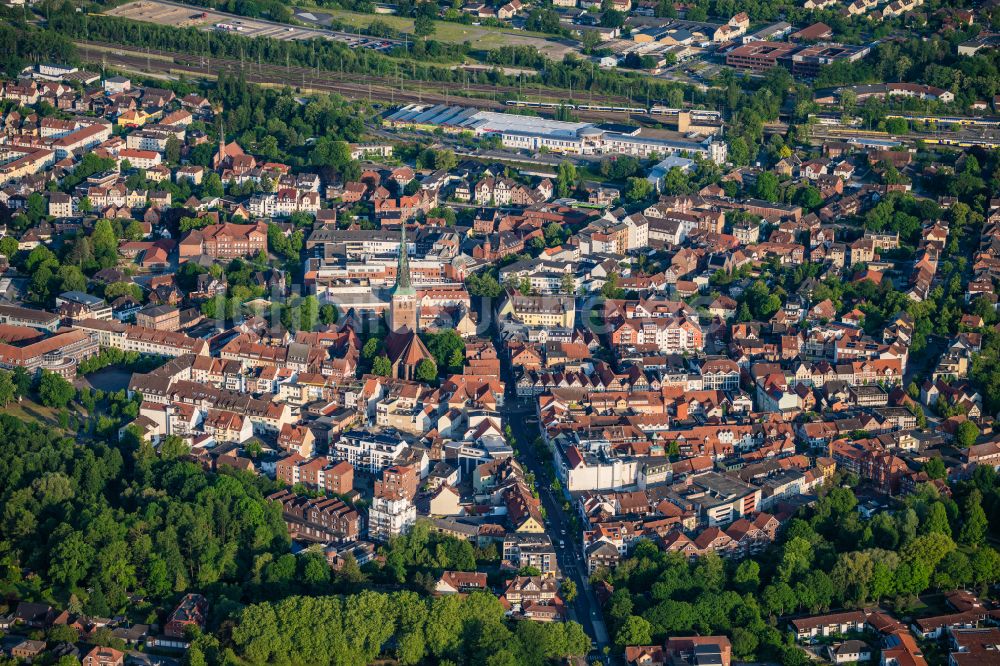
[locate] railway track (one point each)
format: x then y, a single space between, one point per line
324 80
374 90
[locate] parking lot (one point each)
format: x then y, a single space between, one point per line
186 16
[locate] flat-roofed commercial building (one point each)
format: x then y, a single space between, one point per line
808 61
759 56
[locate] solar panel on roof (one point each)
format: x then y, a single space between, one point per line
430 113
412 114
443 117
463 116
399 113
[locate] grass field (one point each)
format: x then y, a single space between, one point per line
29 410
481 37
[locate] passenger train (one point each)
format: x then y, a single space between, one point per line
656 110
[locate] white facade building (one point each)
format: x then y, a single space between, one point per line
368 452
389 517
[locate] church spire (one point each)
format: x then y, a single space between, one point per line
220 157
403 284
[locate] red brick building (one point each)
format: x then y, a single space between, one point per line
336 478
323 519
224 241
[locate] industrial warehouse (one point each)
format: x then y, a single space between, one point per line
534 133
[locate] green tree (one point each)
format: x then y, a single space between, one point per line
566 178
22 380
457 359
610 288
72 557
935 468
308 313
744 643
8 246
966 434
676 181
172 152
747 576
483 285
809 197
40 257
35 207
975 524
116 289
8 389
590 40
173 447
567 283
446 347
936 520
739 152
638 189
612 18
212 186
778 598
54 391
744 314
955 570
71 278
350 572
636 630
134 231
767 187
328 314
41 284
79 253
104 243
62 633
568 591
329 153
382 366
985 565
426 370
665 9
424 26
445 160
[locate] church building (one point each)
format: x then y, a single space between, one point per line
403 303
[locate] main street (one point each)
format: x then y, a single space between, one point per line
520 415
584 609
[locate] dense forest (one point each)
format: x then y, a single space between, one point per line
353 630
22 45
278 125
99 525
828 558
